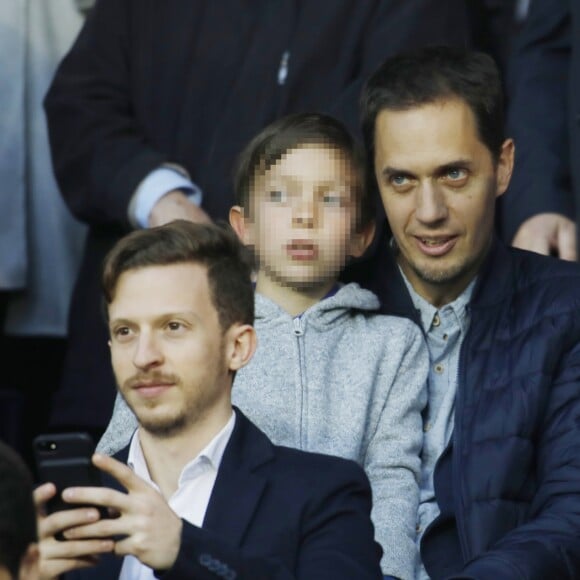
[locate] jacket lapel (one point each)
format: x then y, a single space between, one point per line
238 488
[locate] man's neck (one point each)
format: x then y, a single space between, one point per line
440 294
437 296
167 456
292 300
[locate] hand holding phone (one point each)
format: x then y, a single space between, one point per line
58 557
65 460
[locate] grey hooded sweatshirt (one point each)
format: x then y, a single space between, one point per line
343 380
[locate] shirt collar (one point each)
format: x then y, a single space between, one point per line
210 455
428 312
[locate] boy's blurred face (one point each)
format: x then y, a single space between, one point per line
303 217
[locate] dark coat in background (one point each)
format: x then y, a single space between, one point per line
493 23
190 82
516 442
544 115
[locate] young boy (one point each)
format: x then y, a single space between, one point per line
329 375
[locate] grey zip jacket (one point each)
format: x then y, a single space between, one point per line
343 380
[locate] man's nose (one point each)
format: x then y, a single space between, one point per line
147 351
431 204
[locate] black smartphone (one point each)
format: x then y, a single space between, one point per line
65 460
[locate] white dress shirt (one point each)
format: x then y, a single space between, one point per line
191 498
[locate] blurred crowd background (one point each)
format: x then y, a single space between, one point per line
45 254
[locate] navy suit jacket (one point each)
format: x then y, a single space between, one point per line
275 513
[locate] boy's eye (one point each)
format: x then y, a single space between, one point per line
333 198
277 195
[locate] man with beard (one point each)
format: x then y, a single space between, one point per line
207 494
501 455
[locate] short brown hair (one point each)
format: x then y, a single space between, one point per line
215 246
292 131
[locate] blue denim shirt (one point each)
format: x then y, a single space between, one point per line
444 330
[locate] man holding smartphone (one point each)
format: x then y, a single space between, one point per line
200 492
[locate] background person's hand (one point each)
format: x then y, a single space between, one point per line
150 529
58 557
176 205
548 234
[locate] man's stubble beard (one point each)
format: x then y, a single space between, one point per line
443 276
168 426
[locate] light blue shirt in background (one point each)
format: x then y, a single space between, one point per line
154 187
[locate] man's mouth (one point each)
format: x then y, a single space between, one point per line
152 386
151 390
436 246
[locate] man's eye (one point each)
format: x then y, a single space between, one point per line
400 181
174 326
277 195
456 174
122 332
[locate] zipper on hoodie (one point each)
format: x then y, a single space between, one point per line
298 333
298 330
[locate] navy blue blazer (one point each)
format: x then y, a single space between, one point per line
274 513
516 442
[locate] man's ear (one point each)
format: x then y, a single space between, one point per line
241 345
241 225
29 565
505 166
362 240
